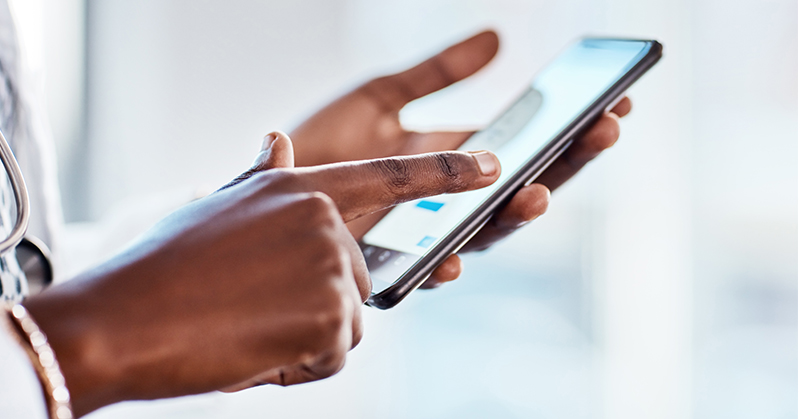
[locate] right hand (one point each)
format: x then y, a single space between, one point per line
260 282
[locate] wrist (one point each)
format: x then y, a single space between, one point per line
42 358
74 339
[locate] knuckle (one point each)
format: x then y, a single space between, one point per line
319 203
336 363
330 364
396 174
328 258
358 334
448 164
453 170
316 210
332 321
328 324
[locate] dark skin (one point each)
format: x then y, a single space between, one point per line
216 296
365 124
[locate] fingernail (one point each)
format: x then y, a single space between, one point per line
268 140
487 163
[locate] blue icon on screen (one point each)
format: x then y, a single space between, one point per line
427 241
430 205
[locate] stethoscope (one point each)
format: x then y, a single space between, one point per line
33 256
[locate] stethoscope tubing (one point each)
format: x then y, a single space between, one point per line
20 197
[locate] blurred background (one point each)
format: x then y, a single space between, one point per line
662 282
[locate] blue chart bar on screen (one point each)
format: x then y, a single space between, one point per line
430 205
426 241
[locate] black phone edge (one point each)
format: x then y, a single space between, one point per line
417 274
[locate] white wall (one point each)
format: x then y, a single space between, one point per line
663 281
52 36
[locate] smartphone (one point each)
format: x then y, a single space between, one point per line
587 79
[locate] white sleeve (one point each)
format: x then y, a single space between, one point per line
20 392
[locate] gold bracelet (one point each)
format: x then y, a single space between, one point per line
44 362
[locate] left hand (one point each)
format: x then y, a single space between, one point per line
365 124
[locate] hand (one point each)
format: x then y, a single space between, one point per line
364 124
260 282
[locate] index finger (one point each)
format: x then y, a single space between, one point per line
362 187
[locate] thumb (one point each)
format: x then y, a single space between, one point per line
276 152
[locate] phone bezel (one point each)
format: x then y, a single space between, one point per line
417 274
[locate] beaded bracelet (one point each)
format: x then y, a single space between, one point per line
44 362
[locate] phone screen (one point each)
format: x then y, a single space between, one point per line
557 96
